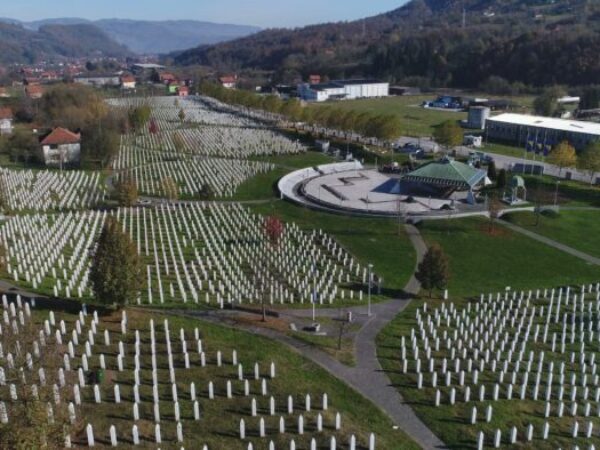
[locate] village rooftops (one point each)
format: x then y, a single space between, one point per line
6 113
447 172
61 136
550 123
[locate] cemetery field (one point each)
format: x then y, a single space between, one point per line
310 158
481 261
452 419
377 241
577 229
195 381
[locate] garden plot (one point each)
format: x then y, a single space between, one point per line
141 382
514 368
194 253
48 190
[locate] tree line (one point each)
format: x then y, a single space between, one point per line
380 126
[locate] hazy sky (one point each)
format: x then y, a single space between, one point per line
264 13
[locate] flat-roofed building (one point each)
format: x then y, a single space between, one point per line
540 132
343 90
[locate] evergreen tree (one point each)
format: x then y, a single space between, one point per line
433 272
116 272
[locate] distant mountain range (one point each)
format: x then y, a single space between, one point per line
430 42
152 37
55 42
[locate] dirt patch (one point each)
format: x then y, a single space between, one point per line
494 231
255 320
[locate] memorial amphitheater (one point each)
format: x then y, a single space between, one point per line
437 188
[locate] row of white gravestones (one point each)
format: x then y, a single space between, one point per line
91 337
135 435
474 349
333 444
167 237
45 190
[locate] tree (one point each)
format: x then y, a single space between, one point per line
181 115
590 98
546 104
116 272
153 127
494 207
563 155
126 191
433 272
178 142
99 146
138 117
169 188
448 134
273 230
492 174
589 159
23 145
206 192
501 179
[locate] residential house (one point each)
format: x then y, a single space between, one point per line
4 93
228 81
167 78
61 147
183 91
128 82
34 92
6 121
97 80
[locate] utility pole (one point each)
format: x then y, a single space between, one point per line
369 292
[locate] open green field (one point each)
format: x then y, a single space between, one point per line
483 261
577 229
418 121
378 241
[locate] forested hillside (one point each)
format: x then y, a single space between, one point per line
535 42
20 45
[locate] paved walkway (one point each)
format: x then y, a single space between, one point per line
367 377
552 243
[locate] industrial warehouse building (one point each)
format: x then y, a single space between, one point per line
540 132
343 90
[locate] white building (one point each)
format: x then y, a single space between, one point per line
541 132
343 90
6 121
61 147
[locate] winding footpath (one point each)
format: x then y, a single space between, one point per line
367 377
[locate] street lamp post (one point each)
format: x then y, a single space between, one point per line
369 291
314 293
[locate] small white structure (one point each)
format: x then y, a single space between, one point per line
128 82
60 147
6 121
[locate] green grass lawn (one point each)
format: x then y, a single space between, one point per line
219 423
482 262
418 121
577 229
452 423
371 240
570 193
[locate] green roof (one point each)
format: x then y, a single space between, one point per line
447 172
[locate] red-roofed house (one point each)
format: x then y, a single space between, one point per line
34 91
6 119
60 147
314 79
228 81
127 82
183 91
4 92
167 78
